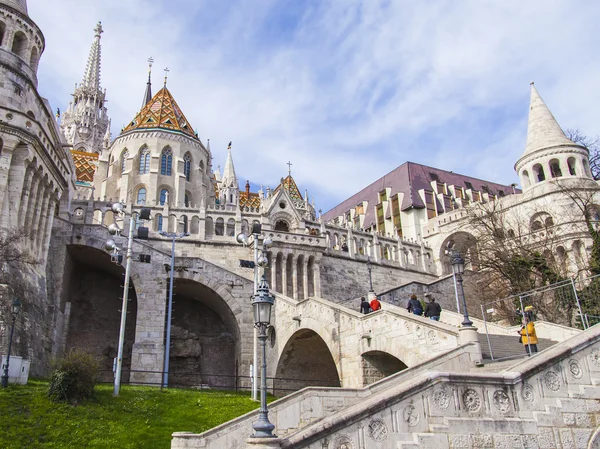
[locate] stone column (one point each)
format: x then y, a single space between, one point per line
284 262
317 278
273 268
14 179
33 203
305 277
45 241
469 335
295 278
39 220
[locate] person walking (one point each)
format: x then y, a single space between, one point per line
375 304
528 336
414 305
433 310
364 306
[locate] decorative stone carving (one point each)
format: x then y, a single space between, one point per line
407 326
501 401
552 380
343 442
441 398
575 369
419 331
431 335
471 400
377 430
527 393
411 415
595 356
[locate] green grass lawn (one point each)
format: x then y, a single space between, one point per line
141 417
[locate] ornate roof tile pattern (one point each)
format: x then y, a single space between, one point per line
85 165
290 185
162 112
251 200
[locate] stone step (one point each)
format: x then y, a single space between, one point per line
505 346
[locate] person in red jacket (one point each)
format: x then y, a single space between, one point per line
375 304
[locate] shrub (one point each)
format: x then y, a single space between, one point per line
74 377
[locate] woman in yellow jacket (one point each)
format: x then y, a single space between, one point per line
528 336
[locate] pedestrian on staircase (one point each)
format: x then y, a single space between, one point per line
414 305
528 336
433 310
375 304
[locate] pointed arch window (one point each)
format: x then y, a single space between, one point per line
164 193
141 196
166 161
187 163
144 161
159 224
124 160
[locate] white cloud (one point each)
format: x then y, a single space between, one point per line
347 90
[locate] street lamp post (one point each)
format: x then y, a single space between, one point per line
458 267
262 302
173 236
370 268
16 308
259 261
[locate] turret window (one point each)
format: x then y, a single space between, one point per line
19 46
144 161
539 172
141 196
555 170
187 162
571 165
166 161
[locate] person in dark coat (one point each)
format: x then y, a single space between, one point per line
414 305
364 306
433 310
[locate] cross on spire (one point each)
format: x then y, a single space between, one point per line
289 164
150 62
166 73
98 29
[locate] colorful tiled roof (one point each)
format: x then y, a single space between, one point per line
162 112
249 200
290 185
85 166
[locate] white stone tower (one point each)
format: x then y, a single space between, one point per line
85 122
549 154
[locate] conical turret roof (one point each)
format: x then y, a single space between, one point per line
20 5
162 112
543 131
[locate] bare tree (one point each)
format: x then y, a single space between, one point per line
593 146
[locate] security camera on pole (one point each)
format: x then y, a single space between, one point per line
259 261
111 247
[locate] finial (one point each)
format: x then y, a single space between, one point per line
289 164
150 62
166 73
98 30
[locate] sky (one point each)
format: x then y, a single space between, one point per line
346 90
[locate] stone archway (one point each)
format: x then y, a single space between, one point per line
305 361
466 244
377 365
94 299
205 338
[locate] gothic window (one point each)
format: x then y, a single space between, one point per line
539 172
231 227
164 193
555 170
282 225
144 161
184 223
124 160
166 161
186 200
219 226
159 225
187 162
141 196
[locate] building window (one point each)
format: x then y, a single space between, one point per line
434 177
166 161
571 165
476 196
124 160
458 192
186 200
164 193
383 196
380 219
441 188
187 163
144 161
469 185
160 223
555 170
396 215
141 196
430 203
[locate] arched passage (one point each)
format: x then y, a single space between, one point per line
465 244
95 295
204 338
377 364
305 361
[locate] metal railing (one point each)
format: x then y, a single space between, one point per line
571 303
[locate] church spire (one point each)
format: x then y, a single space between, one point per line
543 131
91 78
148 93
229 177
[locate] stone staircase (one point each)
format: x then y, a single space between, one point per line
508 346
